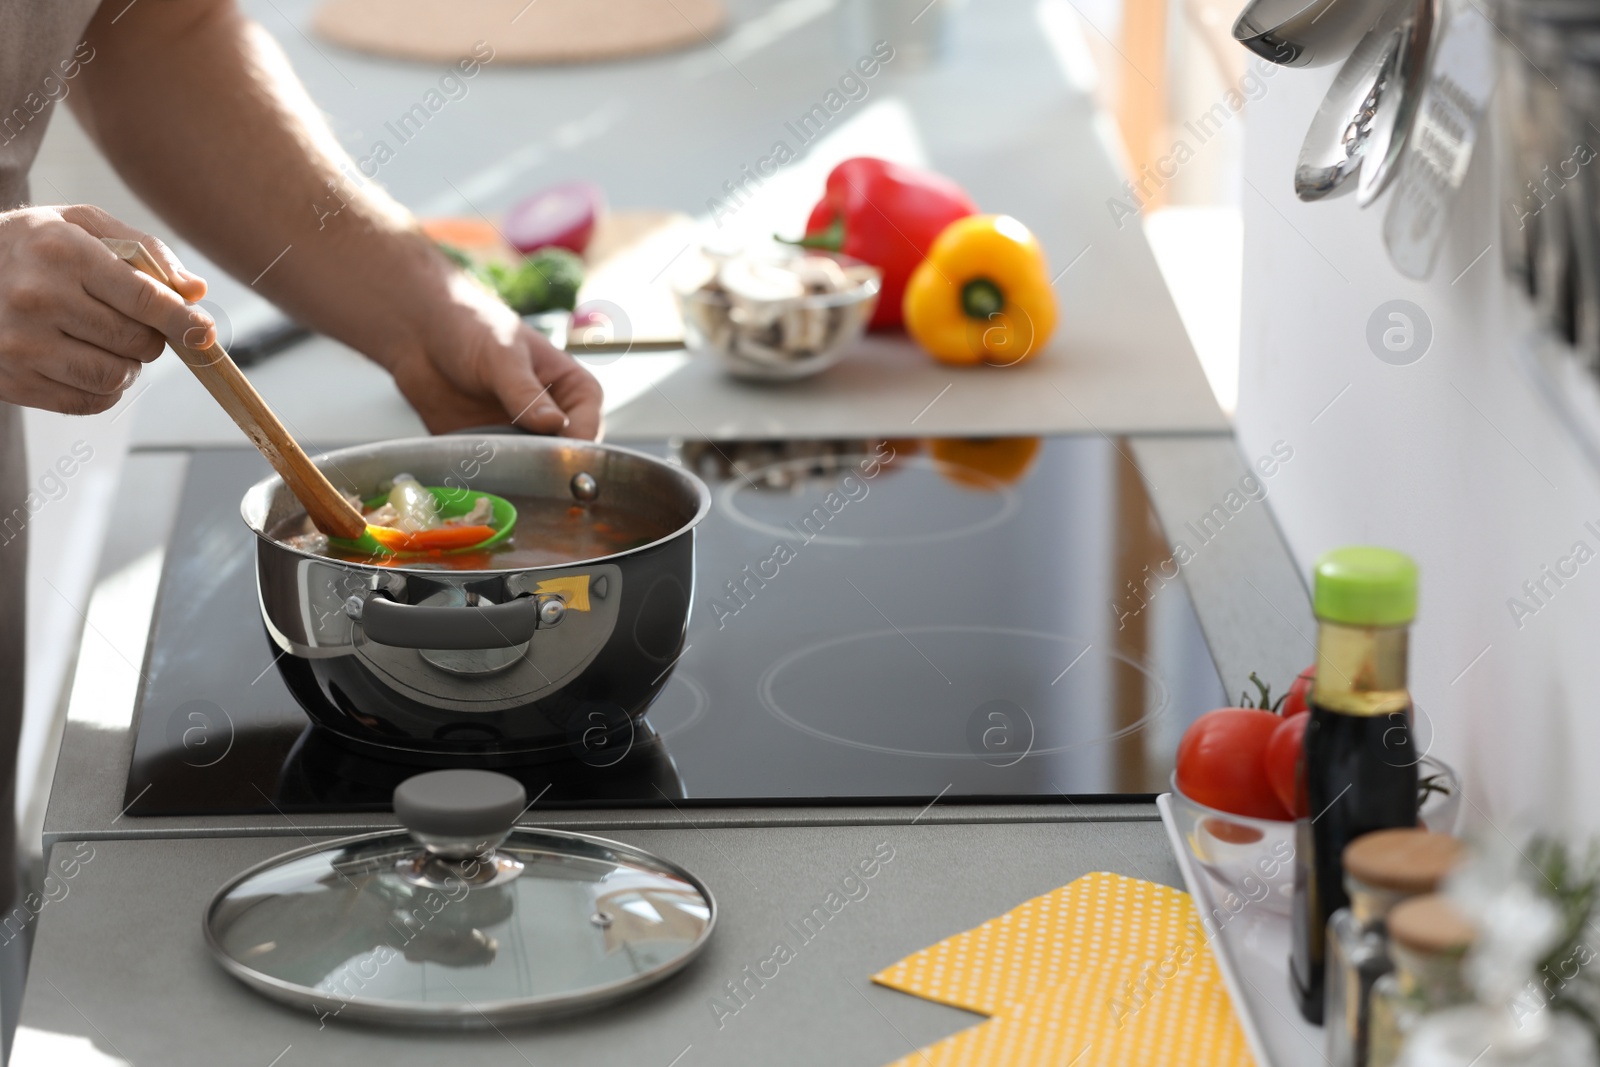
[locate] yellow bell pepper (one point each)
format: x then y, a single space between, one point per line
983 294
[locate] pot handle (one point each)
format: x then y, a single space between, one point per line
489 626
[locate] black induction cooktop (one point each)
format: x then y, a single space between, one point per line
874 621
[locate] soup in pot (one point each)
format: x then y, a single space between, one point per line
548 532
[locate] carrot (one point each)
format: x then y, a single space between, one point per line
463 233
438 539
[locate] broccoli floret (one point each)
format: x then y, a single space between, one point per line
522 287
546 280
562 273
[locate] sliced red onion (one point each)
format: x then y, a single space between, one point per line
563 215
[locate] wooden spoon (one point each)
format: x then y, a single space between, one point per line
330 512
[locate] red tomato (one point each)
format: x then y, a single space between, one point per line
1282 760
1221 762
1298 698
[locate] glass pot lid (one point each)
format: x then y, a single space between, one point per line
459 920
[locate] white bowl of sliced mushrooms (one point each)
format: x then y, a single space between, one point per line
778 315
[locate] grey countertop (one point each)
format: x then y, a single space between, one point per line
119 969
120 961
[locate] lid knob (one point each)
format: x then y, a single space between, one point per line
459 813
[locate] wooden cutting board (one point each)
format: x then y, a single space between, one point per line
630 261
518 31
627 265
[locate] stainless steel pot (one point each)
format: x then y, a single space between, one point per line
488 666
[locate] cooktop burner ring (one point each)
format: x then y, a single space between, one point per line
702 701
851 466
1157 703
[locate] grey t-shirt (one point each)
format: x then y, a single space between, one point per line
41 52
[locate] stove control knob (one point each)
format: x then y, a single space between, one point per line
552 609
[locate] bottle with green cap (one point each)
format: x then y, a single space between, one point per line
1359 766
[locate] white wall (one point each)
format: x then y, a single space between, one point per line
1455 459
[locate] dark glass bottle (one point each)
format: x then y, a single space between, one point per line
1359 770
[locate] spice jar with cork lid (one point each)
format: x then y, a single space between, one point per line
1428 937
1381 870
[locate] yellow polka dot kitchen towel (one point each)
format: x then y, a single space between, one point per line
1107 970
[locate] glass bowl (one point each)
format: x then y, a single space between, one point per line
783 339
1254 858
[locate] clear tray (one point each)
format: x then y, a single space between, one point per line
1251 945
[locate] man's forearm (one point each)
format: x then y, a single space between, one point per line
197 109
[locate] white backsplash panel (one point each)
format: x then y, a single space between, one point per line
1416 424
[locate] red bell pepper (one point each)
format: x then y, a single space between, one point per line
887 215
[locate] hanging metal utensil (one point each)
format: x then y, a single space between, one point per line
1583 123
1397 110
1454 98
1543 207
1517 152
1331 153
1297 33
1342 134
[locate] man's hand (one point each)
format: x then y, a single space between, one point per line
480 365
77 323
